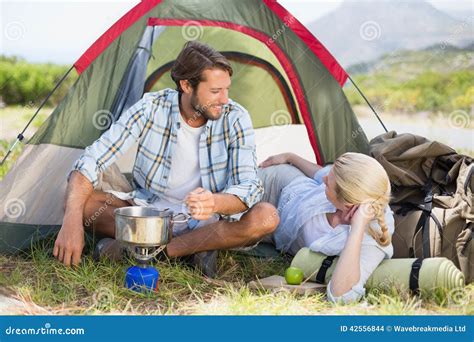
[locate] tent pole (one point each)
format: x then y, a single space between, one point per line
20 136
373 110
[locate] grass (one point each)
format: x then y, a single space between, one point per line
94 288
47 287
20 115
4 146
12 121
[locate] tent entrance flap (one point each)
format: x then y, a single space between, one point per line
131 88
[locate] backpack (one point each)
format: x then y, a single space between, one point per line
432 198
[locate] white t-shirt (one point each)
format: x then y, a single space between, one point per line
185 172
313 229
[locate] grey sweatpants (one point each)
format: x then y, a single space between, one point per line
274 179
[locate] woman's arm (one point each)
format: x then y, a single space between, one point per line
305 166
347 272
370 258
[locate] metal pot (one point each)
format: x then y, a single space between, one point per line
144 226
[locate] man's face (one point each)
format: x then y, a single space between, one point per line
211 94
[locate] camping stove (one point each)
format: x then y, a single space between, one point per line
145 233
143 277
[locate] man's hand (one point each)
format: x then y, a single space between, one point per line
201 204
70 242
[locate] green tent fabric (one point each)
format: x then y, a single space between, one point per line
435 273
284 76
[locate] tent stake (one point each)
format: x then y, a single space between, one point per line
373 110
20 136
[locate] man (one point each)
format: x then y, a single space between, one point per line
196 151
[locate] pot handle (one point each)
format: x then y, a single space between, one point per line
185 219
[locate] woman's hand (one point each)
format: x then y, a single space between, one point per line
346 217
305 166
282 158
362 216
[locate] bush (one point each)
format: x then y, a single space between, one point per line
23 83
464 101
428 91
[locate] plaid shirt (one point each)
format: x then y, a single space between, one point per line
227 154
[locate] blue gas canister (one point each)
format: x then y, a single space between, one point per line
142 278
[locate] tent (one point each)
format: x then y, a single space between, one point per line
283 75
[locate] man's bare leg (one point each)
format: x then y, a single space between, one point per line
260 220
99 214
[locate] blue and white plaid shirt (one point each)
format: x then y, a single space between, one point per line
227 154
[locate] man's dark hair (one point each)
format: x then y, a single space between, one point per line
193 60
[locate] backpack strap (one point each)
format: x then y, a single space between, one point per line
438 224
406 207
424 220
423 224
415 276
426 224
470 226
467 183
327 262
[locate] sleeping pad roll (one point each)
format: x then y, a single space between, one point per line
416 274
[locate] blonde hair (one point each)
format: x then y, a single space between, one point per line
361 179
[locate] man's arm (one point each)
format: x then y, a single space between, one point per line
70 241
84 177
202 204
227 204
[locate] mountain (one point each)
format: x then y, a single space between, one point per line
458 14
404 64
364 30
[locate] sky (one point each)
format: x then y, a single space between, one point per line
60 31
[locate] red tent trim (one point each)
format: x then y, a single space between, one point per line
112 33
313 43
280 55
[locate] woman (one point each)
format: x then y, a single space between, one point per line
341 209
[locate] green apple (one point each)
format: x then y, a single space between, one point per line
294 275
